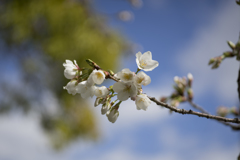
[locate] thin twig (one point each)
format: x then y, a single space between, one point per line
234 127
197 107
183 111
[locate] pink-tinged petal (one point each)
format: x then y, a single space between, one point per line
75 62
123 96
118 86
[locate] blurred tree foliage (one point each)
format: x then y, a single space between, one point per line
36 36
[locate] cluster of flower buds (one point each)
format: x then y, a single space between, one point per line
182 91
224 111
216 61
128 84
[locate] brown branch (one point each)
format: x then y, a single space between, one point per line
238 82
234 127
183 111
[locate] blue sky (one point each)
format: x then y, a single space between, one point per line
182 36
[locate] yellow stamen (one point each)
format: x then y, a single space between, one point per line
127 76
99 75
139 80
143 63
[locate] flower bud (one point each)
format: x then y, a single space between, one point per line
234 111
111 72
98 101
190 93
222 111
190 79
90 62
190 76
176 79
113 114
211 61
174 103
231 44
228 54
163 99
105 107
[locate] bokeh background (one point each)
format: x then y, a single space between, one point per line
39 120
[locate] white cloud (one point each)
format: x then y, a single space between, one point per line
21 138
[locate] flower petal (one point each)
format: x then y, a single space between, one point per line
123 96
147 80
138 57
147 56
118 86
151 65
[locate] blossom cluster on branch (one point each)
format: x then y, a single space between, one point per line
86 81
128 84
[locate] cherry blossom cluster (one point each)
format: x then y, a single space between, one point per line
182 91
87 81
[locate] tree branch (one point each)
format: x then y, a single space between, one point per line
238 82
234 127
183 111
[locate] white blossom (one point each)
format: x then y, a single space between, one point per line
85 90
125 90
145 62
90 81
142 79
71 87
142 102
112 115
126 75
97 76
101 91
70 69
